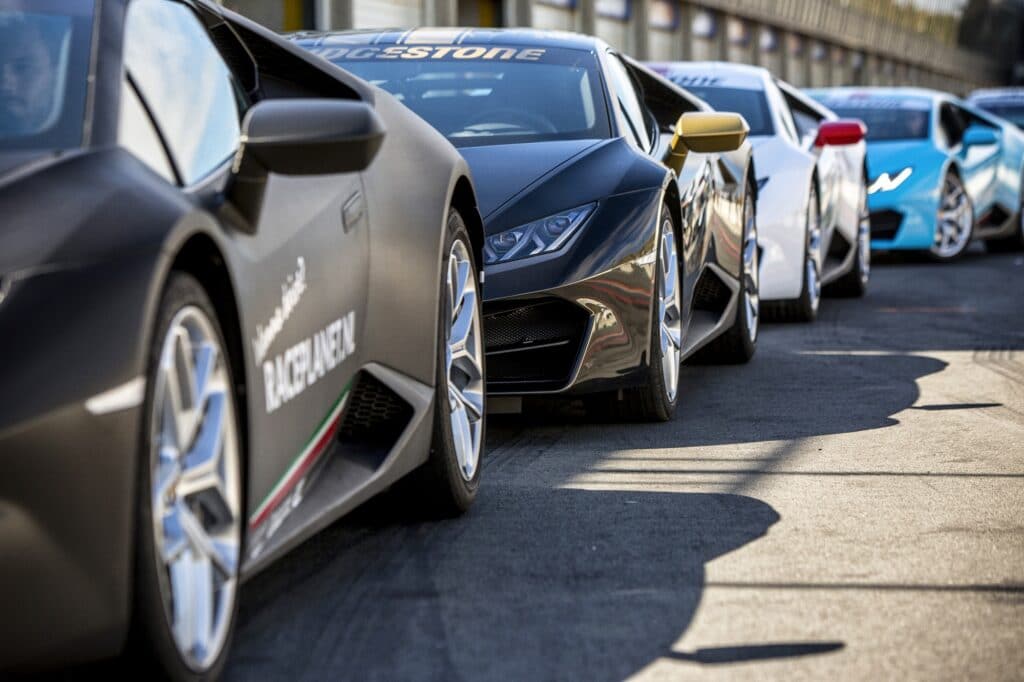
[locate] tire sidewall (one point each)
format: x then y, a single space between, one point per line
810 310
659 392
442 456
154 648
970 229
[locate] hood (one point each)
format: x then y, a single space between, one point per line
16 163
502 171
892 157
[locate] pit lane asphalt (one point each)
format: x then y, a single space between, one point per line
850 505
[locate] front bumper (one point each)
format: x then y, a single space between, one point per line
902 220
68 463
578 320
65 519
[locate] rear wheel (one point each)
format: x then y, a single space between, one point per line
656 400
1015 242
805 307
854 283
451 476
190 494
954 222
738 343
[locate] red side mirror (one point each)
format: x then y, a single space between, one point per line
843 131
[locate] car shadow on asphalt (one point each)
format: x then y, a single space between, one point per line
532 584
791 395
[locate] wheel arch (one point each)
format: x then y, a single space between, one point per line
464 200
200 256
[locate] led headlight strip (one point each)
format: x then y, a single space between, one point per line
541 236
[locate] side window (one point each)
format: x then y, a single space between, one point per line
632 111
188 88
136 133
952 124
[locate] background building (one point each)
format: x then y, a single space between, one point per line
947 44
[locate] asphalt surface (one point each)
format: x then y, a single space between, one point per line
848 505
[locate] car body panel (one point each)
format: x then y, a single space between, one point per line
787 160
81 279
992 174
591 299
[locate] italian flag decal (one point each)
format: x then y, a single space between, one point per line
303 462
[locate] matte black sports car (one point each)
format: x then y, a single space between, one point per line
619 240
220 325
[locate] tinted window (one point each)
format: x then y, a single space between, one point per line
185 84
44 68
478 95
751 104
888 117
1014 113
889 124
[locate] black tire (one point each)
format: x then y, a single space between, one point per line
938 258
439 483
803 308
151 651
854 284
736 345
649 402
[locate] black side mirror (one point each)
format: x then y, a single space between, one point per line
301 137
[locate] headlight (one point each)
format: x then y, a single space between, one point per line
540 236
887 183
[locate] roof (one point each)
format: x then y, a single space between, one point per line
508 37
716 74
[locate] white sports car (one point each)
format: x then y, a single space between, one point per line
812 197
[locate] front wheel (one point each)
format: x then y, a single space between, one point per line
451 476
954 222
737 344
189 531
656 400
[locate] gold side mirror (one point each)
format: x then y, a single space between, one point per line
704 133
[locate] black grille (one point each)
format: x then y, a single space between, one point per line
375 415
711 293
533 346
885 224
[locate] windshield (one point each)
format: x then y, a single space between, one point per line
888 117
477 95
751 104
1014 113
44 64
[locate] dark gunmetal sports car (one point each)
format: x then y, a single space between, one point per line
221 324
619 210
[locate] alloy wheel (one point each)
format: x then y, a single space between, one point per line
955 219
751 272
195 488
813 258
464 360
864 240
669 310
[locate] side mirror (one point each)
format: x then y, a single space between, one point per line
301 137
705 132
979 135
843 131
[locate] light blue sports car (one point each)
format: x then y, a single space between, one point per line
941 171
